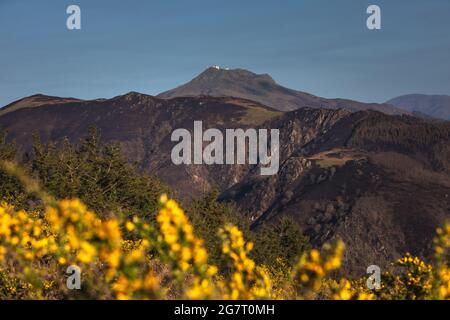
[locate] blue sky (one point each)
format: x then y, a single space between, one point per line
318 46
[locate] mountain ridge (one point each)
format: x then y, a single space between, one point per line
436 106
380 182
262 88
35 100
238 83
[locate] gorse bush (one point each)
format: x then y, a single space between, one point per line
122 257
278 245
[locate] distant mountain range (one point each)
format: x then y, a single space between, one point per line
372 174
380 182
436 106
219 82
262 88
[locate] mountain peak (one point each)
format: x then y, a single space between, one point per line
216 67
216 81
133 97
238 74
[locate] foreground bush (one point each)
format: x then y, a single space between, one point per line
159 255
130 258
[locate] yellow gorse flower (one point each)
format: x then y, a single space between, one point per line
314 266
38 243
247 281
442 265
183 250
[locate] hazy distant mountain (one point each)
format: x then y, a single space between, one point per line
436 106
380 182
218 82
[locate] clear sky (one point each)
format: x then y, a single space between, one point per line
318 46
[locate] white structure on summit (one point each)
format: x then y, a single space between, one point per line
219 68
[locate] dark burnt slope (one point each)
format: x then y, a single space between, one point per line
142 125
379 182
